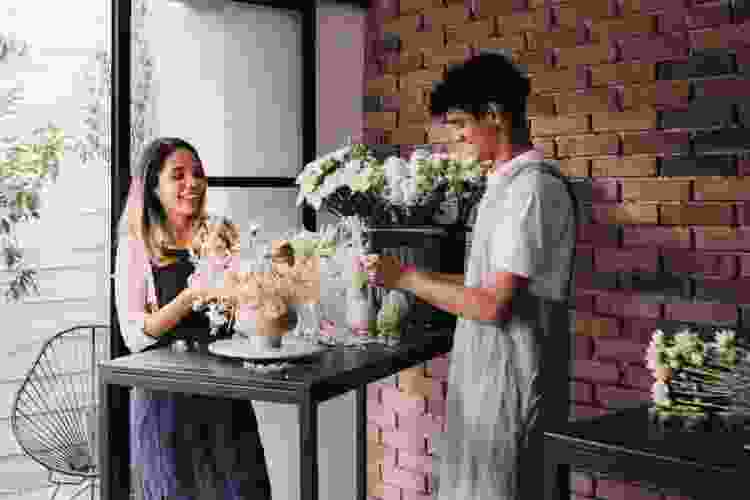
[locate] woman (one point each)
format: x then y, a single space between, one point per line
182 446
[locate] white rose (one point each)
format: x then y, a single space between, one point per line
409 188
395 169
330 184
396 195
660 393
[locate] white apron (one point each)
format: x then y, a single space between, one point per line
499 389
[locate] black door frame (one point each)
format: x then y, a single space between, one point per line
121 43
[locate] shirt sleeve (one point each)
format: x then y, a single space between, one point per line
133 293
534 216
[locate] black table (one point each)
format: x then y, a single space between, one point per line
334 372
626 445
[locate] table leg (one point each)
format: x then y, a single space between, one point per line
361 433
308 434
103 438
556 479
114 447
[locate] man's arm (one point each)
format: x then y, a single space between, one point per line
489 303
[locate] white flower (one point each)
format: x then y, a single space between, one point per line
331 183
658 338
724 339
660 393
395 169
395 194
409 188
696 358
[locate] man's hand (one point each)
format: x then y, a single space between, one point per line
384 270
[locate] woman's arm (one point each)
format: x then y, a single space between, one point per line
454 278
139 327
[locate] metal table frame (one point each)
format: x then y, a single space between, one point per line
306 385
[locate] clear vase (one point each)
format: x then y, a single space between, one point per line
359 313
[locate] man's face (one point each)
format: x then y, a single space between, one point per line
481 133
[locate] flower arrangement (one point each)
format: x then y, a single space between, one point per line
696 377
352 182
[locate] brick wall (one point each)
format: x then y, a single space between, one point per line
646 101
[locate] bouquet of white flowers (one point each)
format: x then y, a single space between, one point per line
695 377
351 181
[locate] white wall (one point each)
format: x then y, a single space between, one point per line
69 243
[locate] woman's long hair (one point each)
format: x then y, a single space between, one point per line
144 217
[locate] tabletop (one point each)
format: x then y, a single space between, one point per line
331 373
627 444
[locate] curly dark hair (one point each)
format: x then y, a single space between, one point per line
483 82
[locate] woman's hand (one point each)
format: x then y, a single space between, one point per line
384 270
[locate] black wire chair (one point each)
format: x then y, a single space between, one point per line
54 413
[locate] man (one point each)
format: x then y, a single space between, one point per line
509 364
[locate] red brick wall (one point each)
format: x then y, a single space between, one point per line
644 100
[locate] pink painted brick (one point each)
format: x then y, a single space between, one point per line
389 8
405 440
708 15
436 408
655 48
596 371
743 209
702 312
583 348
639 330
379 414
744 263
700 263
666 98
373 393
584 301
582 484
677 497
408 480
415 463
582 392
723 87
370 497
598 235
440 367
618 349
439 389
664 142
619 397
391 103
604 190
401 403
391 492
734 36
416 495
613 326
673 21
626 259
585 255
650 6
625 304
423 425
741 242
583 412
373 136
585 281
638 377
616 490
373 428
663 237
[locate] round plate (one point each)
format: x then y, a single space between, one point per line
238 347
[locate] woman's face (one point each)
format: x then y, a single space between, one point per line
182 184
